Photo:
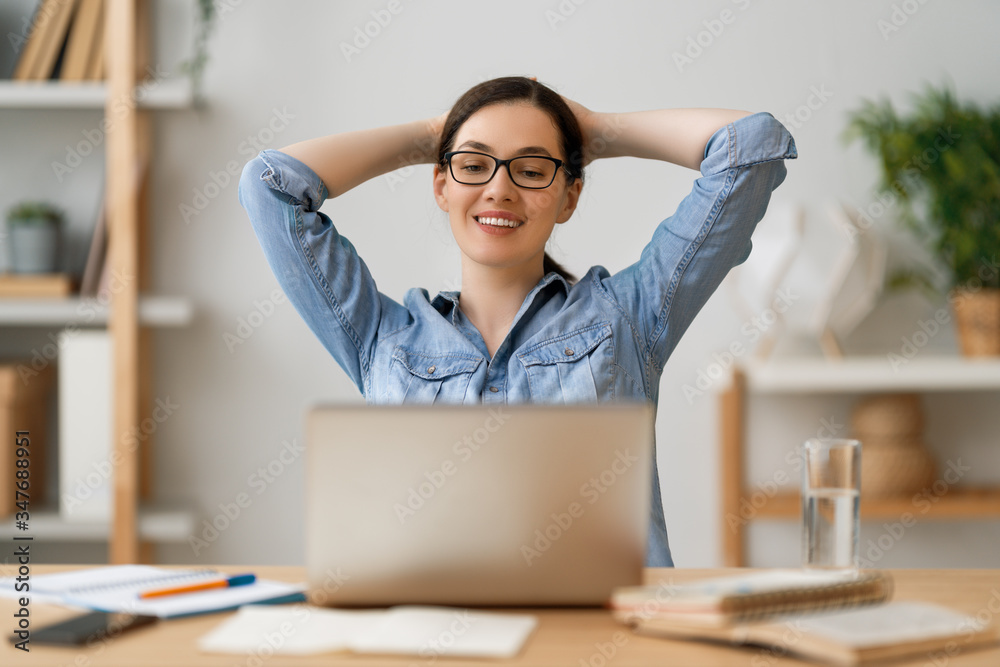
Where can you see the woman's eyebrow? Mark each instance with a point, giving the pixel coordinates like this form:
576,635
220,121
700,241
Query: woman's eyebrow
527,150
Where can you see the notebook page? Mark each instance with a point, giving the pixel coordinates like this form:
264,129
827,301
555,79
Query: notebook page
287,630
433,631
169,606
56,587
891,623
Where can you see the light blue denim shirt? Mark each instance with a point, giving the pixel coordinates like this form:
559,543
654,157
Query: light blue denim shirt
604,338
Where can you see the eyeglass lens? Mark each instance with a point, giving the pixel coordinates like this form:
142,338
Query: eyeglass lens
528,171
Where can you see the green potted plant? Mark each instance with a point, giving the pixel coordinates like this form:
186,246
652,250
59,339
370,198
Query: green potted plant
941,162
34,230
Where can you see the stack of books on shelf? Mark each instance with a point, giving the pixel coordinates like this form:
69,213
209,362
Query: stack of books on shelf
65,42
831,618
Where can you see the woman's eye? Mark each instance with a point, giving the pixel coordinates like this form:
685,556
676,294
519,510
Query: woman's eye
472,168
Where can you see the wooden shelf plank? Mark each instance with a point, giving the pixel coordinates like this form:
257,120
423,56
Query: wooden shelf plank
160,311
873,373
168,94
956,503
156,524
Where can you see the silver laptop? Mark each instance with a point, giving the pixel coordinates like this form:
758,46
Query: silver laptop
476,505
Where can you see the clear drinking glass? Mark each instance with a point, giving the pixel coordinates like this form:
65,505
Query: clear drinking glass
831,490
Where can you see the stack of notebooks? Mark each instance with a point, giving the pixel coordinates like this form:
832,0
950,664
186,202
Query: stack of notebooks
838,619
65,41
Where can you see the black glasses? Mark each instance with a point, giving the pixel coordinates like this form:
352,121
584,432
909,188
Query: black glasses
534,172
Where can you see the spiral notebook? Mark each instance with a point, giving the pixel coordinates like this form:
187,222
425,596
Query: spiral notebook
117,588
722,601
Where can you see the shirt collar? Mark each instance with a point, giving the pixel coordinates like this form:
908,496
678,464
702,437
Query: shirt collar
446,302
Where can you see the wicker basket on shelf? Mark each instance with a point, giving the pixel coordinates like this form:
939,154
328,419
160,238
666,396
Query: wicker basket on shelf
895,460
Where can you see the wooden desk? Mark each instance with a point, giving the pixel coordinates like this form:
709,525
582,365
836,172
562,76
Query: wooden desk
575,638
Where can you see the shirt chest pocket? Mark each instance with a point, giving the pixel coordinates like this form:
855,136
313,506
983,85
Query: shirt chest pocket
578,367
415,377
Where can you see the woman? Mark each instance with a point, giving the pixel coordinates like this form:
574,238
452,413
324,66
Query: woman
508,166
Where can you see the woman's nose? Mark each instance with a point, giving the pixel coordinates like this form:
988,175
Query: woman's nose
500,187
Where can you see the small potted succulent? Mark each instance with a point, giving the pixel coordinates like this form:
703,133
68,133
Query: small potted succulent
33,237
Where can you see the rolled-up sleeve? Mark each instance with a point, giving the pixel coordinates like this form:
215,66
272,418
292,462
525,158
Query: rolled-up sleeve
693,250
319,269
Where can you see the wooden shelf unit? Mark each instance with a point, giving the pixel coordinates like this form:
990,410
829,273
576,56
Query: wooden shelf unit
127,27
851,375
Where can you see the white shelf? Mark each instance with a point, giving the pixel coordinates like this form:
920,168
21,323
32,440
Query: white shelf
160,311
167,94
875,373
155,525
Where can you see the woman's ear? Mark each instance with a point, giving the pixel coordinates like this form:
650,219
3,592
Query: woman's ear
572,199
440,188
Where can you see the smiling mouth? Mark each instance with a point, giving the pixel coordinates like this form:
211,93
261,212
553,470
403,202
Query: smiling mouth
497,222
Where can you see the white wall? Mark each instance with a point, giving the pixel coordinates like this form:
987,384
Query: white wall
280,66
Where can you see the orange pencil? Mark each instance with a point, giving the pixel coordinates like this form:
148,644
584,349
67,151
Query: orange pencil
235,580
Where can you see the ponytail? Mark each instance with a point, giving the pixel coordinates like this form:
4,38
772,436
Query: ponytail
549,265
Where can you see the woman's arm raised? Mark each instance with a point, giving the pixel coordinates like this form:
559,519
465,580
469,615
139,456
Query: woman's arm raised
678,136
344,161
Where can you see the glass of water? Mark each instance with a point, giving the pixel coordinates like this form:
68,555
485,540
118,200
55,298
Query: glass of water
831,490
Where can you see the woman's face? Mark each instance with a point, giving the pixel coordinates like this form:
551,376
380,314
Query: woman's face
505,131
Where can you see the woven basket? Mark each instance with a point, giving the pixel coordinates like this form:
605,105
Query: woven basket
895,468
888,416
978,316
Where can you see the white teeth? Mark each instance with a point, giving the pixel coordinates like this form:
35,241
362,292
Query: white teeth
499,222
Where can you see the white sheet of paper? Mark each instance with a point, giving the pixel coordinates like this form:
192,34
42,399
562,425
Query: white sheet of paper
893,622
115,588
413,630
292,629
433,631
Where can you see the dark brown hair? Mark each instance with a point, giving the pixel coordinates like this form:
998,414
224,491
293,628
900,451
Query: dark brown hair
512,90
